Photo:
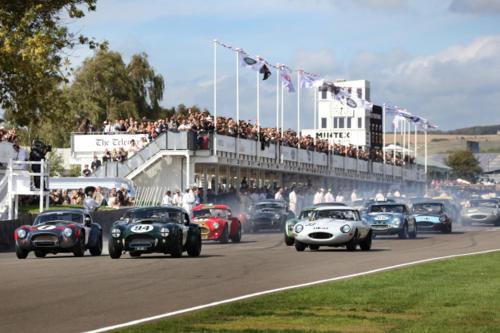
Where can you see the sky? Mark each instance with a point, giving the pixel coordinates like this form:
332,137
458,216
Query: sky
438,59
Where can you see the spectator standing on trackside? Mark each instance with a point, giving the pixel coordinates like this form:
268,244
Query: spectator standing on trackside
319,197
167,199
98,197
197,198
188,200
354,195
279,194
254,196
20,154
329,196
340,197
177,198
292,201
379,196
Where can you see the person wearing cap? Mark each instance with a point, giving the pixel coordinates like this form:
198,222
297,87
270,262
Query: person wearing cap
329,196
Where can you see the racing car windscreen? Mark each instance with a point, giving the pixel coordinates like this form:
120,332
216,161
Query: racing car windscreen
483,203
337,214
305,214
428,208
160,214
58,217
386,209
268,206
213,212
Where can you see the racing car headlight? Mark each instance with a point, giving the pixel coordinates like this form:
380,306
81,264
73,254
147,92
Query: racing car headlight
67,232
164,232
21,233
442,218
396,220
116,232
345,228
299,228
216,225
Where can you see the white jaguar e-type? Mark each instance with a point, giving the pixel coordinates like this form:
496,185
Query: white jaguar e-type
333,226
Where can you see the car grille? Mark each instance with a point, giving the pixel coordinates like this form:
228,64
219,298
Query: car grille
204,231
380,226
478,217
140,241
320,235
44,240
425,224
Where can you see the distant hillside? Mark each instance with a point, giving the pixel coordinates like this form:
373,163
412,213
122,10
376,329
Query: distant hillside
474,130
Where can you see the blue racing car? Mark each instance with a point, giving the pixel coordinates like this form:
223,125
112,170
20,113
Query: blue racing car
433,216
391,219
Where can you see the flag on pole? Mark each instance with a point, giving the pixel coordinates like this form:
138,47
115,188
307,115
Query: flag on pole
343,96
286,79
396,120
257,64
309,80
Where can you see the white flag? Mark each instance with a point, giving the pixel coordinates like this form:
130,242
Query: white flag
286,79
309,81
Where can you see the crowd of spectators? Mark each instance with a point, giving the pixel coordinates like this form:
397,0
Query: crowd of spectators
202,123
9,135
113,198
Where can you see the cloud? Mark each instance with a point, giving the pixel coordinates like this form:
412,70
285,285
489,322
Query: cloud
447,87
477,7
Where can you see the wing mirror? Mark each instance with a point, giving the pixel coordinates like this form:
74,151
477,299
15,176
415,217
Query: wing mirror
87,221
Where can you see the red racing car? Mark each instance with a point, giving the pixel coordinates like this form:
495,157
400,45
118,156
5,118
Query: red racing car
217,223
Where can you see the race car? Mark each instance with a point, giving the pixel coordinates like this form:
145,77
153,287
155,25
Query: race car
333,226
391,219
482,211
268,214
432,215
217,223
59,231
164,229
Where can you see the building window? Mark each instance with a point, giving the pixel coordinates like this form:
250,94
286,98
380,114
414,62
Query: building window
335,122
323,94
360,122
359,92
341,122
323,122
367,94
349,121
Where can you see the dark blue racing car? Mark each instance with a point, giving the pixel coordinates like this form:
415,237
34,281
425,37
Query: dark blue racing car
391,219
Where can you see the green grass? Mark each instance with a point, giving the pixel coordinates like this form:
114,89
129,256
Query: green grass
456,295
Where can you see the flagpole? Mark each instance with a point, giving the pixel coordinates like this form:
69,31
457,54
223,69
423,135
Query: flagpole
278,74
316,121
383,134
237,103
416,141
298,105
425,152
215,97
282,111
394,140
258,112
404,140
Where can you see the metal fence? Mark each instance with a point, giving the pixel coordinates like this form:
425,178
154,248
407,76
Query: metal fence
149,195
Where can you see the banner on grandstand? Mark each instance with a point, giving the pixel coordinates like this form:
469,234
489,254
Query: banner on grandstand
98,143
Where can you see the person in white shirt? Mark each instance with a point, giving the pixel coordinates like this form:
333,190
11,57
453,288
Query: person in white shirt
379,196
397,194
254,196
20,154
354,196
329,196
188,200
177,198
339,198
279,195
292,201
107,127
167,199
319,197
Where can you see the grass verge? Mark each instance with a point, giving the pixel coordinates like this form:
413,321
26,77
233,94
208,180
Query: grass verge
455,295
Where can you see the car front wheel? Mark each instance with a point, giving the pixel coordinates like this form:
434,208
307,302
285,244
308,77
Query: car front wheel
194,246
236,238
115,250
366,244
79,249
353,243
299,246
97,249
289,240
20,253
404,233
177,247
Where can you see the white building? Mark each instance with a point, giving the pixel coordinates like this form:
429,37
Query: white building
338,122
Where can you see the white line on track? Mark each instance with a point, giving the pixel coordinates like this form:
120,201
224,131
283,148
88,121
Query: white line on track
266,292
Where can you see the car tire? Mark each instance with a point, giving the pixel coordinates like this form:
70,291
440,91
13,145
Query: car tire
40,254
447,229
403,234
97,249
413,234
79,249
176,250
497,223
289,240
314,247
353,243
224,237
20,253
299,246
194,246
237,237
115,250
366,244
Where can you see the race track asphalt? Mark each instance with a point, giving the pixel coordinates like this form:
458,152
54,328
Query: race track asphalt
66,294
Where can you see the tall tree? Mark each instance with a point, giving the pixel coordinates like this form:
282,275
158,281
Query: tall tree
464,165
148,86
32,66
